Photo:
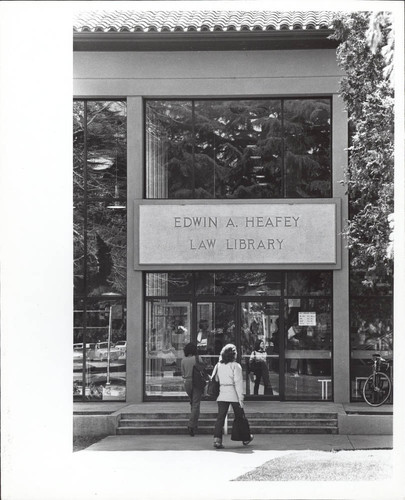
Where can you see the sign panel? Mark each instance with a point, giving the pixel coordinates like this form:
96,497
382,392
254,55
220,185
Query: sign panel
306,319
280,233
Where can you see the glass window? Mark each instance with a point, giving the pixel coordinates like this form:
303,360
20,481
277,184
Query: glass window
371,325
173,283
167,332
205,283
309,283
100,254
307,148
102,343
169,149
371,332
106,249
78,248
238,149
106,149
78,148
248,283
215,328
360,285
260,323
298,323
308,348
252,148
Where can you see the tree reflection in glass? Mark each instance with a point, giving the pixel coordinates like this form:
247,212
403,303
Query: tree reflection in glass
99,224
106,250
307,148
238,149
169,149
252,148
106,148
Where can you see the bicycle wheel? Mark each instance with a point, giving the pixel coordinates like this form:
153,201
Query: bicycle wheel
376,391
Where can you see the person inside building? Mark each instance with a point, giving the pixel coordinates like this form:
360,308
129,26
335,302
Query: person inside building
194,392
229,374
258,365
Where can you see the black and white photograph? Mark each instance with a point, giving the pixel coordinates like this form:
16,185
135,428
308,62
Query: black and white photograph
202,250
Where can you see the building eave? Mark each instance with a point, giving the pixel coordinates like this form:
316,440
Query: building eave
201,41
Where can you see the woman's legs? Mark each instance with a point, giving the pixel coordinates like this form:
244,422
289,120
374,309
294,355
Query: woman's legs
266,380
257,384
194,395
223,407
195,401
237,410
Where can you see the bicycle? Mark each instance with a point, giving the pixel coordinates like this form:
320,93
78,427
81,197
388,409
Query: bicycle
377,388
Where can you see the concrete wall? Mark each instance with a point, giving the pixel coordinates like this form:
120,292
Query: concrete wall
250,73
135,75
94,425
365,424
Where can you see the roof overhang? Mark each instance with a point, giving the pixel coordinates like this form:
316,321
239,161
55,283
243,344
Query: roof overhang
199,41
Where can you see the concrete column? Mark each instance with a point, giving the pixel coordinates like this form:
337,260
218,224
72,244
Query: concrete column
341,326
134,278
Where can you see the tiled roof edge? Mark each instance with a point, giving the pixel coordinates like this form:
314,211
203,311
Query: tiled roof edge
197,21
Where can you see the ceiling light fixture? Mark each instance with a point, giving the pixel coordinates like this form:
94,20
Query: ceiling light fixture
100,164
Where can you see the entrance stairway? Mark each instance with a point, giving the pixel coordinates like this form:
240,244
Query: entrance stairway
260,423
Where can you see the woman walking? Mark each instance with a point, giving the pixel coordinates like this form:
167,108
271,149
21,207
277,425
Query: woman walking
229,374
194,392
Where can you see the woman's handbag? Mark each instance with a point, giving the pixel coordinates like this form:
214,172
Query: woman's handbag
213,385
241,428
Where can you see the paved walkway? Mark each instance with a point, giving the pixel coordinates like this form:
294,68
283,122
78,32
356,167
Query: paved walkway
262,442
180,467
184,467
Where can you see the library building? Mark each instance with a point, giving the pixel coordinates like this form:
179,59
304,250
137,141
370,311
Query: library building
209,153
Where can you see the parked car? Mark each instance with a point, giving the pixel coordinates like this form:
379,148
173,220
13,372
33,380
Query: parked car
78,351
101,351
122,346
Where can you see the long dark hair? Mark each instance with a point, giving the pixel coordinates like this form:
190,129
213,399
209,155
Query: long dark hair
228,354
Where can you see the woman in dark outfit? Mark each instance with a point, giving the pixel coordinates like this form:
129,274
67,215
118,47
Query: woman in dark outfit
258,364
194,393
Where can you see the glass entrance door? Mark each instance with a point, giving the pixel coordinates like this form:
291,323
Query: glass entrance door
259,347
216,327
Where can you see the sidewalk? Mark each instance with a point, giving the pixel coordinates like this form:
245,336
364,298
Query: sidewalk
262,442
184,467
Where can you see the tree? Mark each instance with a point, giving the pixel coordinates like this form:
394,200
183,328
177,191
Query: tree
365,54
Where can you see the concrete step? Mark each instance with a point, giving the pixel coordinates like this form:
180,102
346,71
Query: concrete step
182,422
250,415
209,430
260,423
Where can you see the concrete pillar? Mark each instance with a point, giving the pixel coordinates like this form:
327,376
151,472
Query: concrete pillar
341,325
134,278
